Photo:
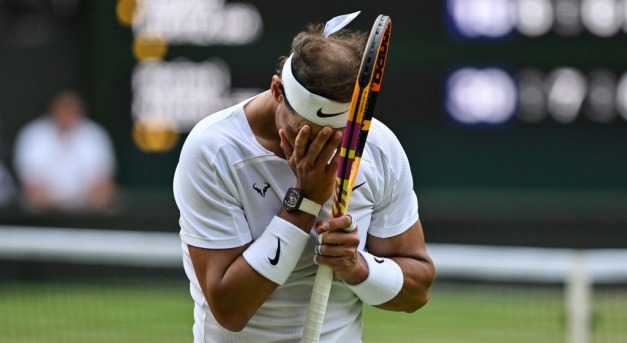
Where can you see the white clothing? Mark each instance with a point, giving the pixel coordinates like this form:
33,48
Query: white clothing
67,164
228,188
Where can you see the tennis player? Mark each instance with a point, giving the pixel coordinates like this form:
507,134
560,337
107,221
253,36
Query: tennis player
254,188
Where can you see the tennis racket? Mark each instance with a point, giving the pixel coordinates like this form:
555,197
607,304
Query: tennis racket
367,88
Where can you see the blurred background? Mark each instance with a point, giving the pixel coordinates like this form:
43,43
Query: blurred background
513,114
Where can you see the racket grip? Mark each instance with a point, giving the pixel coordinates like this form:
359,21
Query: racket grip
318,304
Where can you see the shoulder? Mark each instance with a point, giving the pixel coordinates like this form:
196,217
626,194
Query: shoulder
36,126
38,130
384,155
382,143
217,125
89,127
220,135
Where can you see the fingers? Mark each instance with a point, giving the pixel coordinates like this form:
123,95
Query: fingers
318,150
328,144
321,147
330,245
339,240
310,154
338,250
301,142
340,223
286,146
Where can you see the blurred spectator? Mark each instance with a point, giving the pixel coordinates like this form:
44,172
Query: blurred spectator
65,161
7,185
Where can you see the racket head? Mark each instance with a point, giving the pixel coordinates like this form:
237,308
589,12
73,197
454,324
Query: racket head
375,54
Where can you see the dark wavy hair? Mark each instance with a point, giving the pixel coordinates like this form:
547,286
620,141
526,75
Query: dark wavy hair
326,66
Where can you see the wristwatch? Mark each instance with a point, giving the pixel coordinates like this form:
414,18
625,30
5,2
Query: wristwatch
295,201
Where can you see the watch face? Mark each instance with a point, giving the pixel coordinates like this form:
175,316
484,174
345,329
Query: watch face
291,198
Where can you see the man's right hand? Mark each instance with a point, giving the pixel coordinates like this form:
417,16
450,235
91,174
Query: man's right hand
314,160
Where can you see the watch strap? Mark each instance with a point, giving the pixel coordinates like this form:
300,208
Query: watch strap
310,207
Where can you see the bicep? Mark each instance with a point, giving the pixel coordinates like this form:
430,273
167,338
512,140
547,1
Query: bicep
210,265
410,243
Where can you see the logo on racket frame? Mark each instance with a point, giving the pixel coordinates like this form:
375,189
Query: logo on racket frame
380,62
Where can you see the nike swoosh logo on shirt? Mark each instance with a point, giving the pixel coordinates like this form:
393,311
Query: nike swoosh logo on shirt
359,185
379,261
274,261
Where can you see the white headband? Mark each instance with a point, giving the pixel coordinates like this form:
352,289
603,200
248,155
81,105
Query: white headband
315,108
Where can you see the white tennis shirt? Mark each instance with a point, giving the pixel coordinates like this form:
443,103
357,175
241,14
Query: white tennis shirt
228,188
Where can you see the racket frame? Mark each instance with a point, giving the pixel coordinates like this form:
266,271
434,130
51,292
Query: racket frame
367,87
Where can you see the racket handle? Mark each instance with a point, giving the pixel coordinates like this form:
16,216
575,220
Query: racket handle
318,304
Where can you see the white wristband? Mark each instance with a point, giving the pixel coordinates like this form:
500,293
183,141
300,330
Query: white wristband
275,253
384,281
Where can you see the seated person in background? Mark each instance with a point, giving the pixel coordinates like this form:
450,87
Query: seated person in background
65,161
7,186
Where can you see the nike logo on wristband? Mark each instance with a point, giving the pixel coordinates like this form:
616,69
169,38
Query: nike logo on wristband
274,261
379,261
327,115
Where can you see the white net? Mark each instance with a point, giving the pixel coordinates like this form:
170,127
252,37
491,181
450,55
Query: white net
80,285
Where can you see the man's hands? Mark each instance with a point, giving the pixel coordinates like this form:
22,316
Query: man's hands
337,249
314,160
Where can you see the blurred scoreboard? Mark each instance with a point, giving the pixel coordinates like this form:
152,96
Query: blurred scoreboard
483,93
561,93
